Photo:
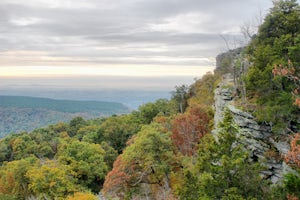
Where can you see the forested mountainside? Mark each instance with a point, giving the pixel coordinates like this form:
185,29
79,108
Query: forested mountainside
19,113
230,135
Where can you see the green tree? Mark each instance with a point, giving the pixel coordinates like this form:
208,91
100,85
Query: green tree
223,169
13,181
85,162
23,146
110,155
50,181
147,160
277,42
180,96
117,130
147,112
75,124
5,149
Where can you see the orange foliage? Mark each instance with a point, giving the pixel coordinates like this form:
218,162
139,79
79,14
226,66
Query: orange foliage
116,179
297,101
293,156
7,184
290,73
281,70
188,128
164,121
291,197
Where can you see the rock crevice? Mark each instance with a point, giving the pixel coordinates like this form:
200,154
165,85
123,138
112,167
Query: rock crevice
256,138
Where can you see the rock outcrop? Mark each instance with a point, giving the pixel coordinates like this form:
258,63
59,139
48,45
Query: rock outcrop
256,138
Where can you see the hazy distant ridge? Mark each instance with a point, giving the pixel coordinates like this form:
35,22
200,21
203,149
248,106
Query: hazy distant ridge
63,105
20,113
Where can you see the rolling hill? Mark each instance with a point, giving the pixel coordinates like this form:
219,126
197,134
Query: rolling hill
20,113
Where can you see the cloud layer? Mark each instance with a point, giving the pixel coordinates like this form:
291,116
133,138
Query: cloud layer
129,32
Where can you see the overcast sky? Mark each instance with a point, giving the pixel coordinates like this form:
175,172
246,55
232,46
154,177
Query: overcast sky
115,34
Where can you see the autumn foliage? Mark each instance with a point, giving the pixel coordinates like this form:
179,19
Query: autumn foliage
290,73
188,128
292,197
293,156
144,165
82,196
116,177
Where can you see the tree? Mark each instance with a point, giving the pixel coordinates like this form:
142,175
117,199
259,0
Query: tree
292,185
5,149
188,128
117,130
85,162
293,155
75,124
147,161
277,43
50,180
110,155
116,180
223,169
292,181
13,180
202,91
180,96
82,196
147,112
23,146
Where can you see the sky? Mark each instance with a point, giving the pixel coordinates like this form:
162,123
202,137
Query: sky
175,39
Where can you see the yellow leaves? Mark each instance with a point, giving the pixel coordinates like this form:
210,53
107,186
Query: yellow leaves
12,177
52,183
82,196
50,179
64,135
176,181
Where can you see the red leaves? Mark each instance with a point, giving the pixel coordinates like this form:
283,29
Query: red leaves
290,73
283,71
117,177
188,128
293,156
291,197
296,101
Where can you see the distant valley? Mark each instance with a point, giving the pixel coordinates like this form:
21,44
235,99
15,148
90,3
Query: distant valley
132,98
20,113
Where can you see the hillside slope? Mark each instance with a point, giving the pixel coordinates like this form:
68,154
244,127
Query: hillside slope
18,113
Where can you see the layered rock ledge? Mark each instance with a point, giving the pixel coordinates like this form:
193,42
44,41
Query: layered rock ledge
258,139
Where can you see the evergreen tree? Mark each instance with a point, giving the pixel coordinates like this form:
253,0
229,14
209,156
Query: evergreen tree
223,169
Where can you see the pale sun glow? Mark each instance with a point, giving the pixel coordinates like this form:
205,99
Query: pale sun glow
122,70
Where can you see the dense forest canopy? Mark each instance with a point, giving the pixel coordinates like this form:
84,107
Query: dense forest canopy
20,113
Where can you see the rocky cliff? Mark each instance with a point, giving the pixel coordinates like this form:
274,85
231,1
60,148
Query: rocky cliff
262,144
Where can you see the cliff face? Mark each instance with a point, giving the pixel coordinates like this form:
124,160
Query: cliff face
256,138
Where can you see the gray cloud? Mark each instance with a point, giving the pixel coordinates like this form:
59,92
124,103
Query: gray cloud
169,32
